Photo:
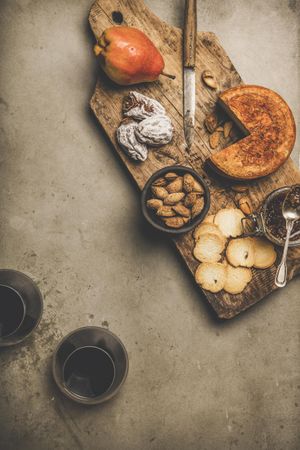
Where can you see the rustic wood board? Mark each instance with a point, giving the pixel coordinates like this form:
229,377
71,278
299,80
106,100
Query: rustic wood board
106,104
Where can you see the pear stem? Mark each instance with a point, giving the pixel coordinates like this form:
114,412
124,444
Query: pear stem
97,50
168,75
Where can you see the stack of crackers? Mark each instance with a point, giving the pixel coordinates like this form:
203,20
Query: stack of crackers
225,258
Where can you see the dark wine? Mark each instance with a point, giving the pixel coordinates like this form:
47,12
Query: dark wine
89,371
12,310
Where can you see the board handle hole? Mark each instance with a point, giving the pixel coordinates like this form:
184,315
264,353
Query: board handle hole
117,17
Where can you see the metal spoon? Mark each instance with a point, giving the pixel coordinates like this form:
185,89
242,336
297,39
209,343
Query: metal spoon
291,213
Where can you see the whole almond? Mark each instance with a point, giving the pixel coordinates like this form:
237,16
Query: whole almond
188,182
197,207
239,188
165,211
214,139
170,176
175,186
227,128
174,198
209,79
175,222
159,182
154,203
159,192
245,205
198,187
211,122
182,210
219,129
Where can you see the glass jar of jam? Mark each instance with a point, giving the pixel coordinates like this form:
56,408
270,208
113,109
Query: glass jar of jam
269,221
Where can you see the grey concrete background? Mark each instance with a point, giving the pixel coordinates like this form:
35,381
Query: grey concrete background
70,219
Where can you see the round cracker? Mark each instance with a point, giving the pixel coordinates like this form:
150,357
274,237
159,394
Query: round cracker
229,220
211,276
209,247
264,253
237,279
240,252
205,228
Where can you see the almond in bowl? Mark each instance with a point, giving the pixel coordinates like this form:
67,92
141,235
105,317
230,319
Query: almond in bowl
175,199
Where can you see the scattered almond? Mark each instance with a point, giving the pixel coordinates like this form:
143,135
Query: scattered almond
211,122
214,139
239,188
245,205
227,128
219,129
209,79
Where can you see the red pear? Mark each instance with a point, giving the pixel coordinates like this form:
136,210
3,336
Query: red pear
128,56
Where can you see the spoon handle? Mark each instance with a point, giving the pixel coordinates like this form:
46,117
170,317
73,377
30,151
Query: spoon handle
281,274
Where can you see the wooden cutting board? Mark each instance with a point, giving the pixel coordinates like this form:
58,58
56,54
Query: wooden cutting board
106,104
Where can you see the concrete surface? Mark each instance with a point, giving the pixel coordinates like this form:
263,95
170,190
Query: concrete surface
70,219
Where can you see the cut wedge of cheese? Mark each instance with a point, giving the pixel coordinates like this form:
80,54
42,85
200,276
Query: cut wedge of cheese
270,127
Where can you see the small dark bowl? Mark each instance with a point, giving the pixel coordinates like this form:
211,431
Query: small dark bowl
32,300
87,337
155,221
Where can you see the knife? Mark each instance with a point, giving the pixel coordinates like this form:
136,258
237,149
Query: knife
189,82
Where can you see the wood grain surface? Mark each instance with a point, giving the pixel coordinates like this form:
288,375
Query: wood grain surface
106,104
189,33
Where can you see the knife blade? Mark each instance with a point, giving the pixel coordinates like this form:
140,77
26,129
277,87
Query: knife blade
189,79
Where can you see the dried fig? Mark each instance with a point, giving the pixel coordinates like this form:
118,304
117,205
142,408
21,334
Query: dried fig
172,199
159,192
139,107
155,131
175,186
128,141
154,203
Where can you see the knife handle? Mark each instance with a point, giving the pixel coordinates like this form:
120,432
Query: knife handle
189,33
